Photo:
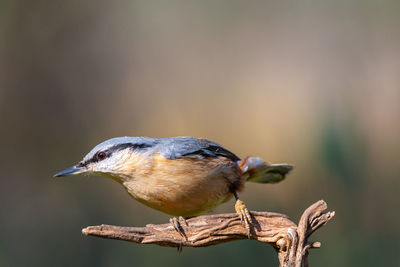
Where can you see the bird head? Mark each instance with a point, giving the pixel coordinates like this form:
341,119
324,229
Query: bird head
116,158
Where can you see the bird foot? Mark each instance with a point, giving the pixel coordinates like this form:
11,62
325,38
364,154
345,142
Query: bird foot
176,223
244,215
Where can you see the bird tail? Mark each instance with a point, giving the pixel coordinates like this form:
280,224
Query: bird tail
259,171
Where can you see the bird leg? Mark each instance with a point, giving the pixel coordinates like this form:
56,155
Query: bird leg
243,213
177,225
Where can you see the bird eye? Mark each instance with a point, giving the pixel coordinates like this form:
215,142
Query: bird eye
101,155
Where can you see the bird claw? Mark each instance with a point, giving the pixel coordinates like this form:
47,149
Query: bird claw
177,225
244,215
183,219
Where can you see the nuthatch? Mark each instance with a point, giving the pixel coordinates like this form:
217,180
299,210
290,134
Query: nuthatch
181,176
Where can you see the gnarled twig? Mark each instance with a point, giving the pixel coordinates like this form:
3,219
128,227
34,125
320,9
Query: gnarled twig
289,240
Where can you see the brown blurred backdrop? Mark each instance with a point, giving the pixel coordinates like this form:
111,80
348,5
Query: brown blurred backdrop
312,83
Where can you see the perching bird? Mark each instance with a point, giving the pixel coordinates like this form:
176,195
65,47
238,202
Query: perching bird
181,176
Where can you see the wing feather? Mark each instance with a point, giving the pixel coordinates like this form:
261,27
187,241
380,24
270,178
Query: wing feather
189,147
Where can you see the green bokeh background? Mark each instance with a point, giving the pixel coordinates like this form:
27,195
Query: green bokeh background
312,83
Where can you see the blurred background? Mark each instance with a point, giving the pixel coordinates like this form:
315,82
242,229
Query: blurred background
311,83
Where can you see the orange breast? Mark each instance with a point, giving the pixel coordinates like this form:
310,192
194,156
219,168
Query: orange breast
184,187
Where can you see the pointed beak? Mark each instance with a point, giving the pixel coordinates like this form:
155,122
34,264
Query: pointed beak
70,171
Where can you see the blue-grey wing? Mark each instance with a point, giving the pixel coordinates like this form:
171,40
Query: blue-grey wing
189,147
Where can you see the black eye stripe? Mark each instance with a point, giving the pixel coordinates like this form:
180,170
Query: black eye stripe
111,150
97,157
128,145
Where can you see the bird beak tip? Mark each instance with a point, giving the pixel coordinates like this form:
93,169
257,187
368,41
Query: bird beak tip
70,171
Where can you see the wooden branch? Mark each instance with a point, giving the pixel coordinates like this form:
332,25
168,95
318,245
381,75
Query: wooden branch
289,240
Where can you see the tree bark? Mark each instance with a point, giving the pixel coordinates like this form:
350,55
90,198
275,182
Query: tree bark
289,240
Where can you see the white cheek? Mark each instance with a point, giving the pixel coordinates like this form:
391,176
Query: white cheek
103,166
114,163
